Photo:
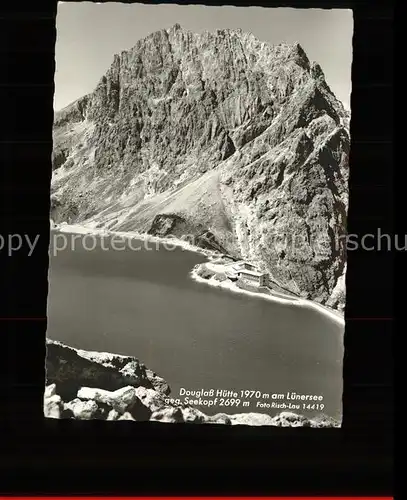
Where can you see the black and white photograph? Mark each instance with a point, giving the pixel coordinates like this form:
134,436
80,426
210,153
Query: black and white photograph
199,201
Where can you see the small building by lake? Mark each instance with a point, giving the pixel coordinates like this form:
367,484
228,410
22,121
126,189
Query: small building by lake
247,273
254,277
243,265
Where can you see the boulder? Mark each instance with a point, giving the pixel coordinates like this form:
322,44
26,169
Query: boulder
53,406
70,369
50,390
113,415
168,415
123,400
158,383
150,398
220,418
194,416
289,419
253,419
83,410
126,416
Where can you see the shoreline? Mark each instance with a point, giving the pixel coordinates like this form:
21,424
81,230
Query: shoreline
304,303
132,235
228,285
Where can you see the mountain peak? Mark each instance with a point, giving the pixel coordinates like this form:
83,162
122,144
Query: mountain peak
203,111
175,27
300,55
297,46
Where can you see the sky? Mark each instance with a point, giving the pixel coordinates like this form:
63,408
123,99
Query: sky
90,34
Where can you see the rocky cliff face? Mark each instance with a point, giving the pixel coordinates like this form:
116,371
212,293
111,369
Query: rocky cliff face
214,134
85,385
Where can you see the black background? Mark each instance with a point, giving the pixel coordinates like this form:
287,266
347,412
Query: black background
55,457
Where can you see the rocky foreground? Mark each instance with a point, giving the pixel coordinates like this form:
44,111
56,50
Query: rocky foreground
219,136
86,385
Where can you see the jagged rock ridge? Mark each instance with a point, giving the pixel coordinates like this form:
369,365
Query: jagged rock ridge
219,134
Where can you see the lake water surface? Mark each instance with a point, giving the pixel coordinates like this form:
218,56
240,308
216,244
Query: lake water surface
144,304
